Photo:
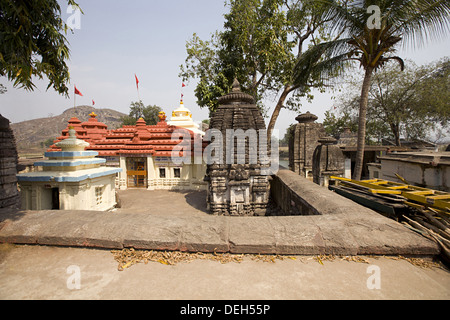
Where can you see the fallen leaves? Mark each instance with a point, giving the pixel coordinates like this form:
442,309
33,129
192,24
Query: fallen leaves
418,262
129,257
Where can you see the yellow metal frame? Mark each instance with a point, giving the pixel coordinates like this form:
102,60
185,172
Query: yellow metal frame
438,200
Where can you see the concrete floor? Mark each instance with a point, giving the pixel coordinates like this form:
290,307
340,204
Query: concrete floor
34,272
160,202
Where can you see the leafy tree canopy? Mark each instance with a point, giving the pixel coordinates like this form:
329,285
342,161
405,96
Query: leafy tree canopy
259,46
413,104
138,110
32,43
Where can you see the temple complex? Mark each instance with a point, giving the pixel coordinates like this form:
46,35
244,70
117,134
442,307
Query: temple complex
142,151
72,179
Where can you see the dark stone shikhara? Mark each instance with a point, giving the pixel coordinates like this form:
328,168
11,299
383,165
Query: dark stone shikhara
302,143
313,154
238,188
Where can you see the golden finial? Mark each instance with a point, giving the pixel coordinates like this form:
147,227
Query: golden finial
162,116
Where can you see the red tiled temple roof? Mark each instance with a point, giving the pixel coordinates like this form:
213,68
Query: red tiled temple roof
138,139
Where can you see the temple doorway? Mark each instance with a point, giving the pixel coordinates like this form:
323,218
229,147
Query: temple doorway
55,198
137,172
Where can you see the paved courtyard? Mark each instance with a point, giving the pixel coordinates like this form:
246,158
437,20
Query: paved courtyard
162,202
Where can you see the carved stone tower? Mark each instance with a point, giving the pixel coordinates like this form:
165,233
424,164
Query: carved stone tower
302,143
237,181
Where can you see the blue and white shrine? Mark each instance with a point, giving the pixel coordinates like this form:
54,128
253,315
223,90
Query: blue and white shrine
71,179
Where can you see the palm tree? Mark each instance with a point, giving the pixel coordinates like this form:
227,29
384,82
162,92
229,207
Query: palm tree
357,39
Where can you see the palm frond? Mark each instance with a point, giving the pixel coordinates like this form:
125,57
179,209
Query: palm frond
316,59
342,17
398,59
422,20
329,70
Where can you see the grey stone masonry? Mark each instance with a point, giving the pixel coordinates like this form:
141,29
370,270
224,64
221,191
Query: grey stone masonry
328,160
303,141
9,195
238,187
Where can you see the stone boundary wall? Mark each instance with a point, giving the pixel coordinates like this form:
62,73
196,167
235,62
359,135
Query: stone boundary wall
296,195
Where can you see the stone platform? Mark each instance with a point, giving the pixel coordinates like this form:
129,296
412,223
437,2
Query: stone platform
345,233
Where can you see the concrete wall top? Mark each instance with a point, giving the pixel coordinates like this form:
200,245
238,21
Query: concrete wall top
319,199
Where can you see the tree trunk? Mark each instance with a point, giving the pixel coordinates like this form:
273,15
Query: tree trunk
276,112
362,124
395,128
397,135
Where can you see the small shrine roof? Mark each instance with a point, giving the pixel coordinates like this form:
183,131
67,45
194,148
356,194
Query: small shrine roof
138,139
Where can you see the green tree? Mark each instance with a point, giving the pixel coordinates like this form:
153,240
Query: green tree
138,110
259,46
287,136
335,123
412,104
47,143
370,44
32,43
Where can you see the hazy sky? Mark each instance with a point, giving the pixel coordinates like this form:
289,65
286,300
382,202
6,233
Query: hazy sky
117,39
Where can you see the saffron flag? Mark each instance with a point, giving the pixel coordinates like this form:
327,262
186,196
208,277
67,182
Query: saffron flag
183,85
93,102
78,91
137,81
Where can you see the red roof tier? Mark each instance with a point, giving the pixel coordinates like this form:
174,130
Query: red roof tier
138,139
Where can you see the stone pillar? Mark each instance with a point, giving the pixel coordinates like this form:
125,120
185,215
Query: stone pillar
151,175
9,194
303,142
348,168
123,174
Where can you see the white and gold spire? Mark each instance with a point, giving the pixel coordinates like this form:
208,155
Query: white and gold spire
182,117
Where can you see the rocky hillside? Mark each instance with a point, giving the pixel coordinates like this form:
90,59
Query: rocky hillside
30,134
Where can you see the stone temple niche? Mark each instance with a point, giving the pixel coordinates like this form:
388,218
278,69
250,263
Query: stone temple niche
240,186
303,141
328,160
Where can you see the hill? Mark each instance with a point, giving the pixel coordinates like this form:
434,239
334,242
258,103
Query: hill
30,134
